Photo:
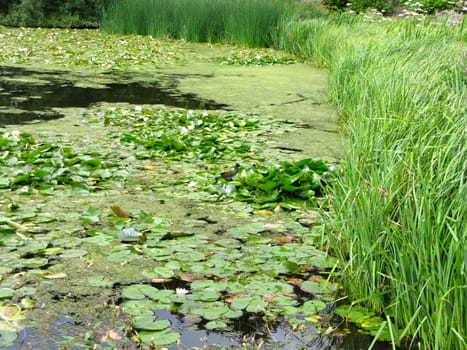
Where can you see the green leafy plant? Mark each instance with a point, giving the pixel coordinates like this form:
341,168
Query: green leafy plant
26,164
257,58
290,185
184,134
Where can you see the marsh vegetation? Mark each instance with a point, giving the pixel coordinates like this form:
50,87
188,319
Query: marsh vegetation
393,223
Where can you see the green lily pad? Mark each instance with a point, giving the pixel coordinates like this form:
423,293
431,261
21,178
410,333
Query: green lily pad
149,323
215,325
158,338
209,284
249,303
89,216
214,312
139,291
318,287
312,307
7,337
233,314
163,272
243,231
122,256
190,256
73,253
6,293
205,295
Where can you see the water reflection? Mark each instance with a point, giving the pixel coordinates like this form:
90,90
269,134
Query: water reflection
27,94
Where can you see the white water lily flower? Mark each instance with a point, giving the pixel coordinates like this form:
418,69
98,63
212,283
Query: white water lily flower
181,291
192,184
138,108
13,135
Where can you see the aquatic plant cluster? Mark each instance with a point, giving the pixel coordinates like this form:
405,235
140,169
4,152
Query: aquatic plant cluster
188,135
28,166
83,48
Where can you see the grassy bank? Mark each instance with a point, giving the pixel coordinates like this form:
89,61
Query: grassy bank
400,213
247,22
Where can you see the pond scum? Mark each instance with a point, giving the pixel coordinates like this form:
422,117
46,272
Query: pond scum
398,221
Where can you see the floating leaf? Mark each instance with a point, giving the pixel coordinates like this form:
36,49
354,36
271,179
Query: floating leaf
139,291
318,287
7,337
149,322
250,303
215,325
89,216
6,293
10,313
158,338
312,307
162,272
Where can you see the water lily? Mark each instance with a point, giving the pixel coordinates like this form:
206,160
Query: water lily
181,291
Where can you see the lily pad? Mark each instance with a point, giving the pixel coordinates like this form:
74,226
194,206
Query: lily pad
73,253
6,293
318,287
215,325
312,307
148,322
7,337
139,291
158,338
249,303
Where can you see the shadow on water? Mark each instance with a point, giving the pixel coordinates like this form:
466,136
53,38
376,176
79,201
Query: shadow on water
246,332
27,94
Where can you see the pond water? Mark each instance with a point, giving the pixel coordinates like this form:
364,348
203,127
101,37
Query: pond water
27,94
78,298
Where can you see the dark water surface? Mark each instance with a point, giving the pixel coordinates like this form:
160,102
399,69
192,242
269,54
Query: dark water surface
27,94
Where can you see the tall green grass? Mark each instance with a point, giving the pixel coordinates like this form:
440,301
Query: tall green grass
400,214
253,23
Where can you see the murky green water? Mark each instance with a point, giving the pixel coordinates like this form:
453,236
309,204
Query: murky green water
75,293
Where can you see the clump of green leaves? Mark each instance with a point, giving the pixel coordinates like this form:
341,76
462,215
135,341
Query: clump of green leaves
184,134
257,58
26,164
290,185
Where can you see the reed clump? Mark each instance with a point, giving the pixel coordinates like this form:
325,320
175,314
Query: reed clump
252,23
399,223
